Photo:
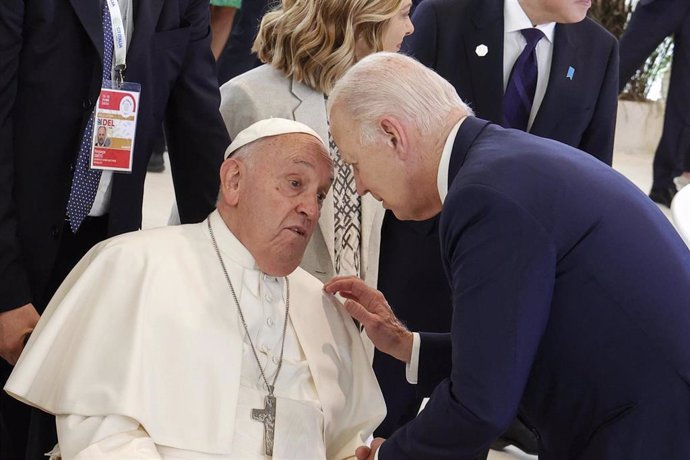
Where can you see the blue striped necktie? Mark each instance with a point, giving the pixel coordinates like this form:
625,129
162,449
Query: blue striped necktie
519,95
85,180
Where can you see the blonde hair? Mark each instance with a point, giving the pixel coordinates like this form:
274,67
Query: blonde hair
314,40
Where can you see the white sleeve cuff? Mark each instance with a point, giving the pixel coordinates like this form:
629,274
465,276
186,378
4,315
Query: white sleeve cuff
412,368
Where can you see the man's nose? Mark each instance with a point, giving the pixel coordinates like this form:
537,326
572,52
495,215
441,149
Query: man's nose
310,206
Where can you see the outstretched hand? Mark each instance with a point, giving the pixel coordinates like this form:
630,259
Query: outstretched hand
370,308
369,453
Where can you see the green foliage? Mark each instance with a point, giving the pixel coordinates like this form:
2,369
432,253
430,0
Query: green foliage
614,15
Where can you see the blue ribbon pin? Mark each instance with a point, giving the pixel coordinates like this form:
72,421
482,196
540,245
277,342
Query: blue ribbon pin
571,73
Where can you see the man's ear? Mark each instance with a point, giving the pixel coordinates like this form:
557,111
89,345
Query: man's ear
232,172
395,135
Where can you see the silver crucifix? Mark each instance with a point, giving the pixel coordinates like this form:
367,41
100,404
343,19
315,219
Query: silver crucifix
267,416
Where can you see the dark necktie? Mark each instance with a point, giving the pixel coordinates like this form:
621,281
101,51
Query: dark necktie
85,180
517,100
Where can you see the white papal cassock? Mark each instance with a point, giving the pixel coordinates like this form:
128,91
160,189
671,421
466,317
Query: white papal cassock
141,354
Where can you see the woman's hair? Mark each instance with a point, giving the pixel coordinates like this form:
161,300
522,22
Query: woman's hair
314,40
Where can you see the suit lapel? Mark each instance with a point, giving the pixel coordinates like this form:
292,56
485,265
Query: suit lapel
145,15
559,88
91,18
487,71
311,110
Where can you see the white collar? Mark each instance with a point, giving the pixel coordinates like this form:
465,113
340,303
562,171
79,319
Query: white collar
234,251
444,163
515,19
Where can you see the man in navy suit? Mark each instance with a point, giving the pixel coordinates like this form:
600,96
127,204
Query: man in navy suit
651,22
474,44
52,70
570,288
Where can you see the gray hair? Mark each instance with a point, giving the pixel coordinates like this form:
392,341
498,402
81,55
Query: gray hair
396,85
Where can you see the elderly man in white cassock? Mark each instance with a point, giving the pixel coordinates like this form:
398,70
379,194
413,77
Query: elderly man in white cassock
207,341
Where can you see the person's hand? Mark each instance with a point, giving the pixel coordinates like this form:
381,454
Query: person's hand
15,327
369,453
369,307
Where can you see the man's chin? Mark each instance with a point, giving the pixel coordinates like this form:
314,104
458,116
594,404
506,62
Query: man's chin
417,216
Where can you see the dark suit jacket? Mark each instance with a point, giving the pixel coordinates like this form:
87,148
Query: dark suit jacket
580,112
570,305
50,80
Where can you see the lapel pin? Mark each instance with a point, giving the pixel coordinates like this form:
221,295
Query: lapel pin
481,50
571,73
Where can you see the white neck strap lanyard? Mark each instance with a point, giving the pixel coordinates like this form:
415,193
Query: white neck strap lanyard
119,41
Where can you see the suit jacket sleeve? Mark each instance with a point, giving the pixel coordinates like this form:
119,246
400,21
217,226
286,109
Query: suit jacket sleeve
423,44
435,361
502,265
14,285
597,139
195,134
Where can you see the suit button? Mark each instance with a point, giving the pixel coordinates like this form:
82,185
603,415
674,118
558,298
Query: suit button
86,103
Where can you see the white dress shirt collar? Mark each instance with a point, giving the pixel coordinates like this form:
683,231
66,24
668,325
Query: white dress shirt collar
444,164
515,19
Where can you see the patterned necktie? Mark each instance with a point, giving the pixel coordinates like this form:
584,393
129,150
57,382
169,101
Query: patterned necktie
517,100
347,209
85,180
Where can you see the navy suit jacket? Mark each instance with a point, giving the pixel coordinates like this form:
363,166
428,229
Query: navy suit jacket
580,112
570,307
51,58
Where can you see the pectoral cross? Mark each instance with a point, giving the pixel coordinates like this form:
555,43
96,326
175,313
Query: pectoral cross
267,416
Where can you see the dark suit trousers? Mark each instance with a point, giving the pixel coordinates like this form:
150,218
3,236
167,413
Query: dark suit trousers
649,25
26,432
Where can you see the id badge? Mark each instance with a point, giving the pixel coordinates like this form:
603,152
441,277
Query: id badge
115,126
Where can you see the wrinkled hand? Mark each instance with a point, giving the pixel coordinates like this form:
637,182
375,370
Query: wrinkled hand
15,326
369,307
369,453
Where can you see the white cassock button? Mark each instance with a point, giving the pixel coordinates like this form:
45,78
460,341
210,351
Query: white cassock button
268,298
275,360
269,321
263,348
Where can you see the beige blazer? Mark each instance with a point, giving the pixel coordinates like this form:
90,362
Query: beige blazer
265,92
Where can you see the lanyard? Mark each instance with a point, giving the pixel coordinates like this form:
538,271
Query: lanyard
119,40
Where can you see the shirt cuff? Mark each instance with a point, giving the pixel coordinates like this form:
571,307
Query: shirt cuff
412,368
